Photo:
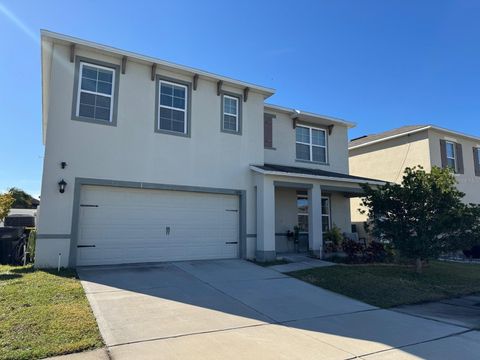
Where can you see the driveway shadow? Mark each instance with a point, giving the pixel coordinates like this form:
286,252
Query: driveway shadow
173,305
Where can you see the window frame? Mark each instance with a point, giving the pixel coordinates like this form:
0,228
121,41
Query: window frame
79,62
329,215
477,149
270,117
239,99
304,195
311,145
187,111
454,158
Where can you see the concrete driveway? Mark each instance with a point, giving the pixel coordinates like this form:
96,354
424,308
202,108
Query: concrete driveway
233,309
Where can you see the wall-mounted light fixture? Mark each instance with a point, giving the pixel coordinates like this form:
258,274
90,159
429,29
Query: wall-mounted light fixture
62,184
63,164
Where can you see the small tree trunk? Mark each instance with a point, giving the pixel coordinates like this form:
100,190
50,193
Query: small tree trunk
418,266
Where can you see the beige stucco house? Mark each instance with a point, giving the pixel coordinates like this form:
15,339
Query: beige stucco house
386,155
149,161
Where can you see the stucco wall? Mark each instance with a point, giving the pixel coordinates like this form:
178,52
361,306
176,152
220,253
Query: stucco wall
387,160
283,136
467,182
132,151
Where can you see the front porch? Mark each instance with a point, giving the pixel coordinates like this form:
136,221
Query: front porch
294,209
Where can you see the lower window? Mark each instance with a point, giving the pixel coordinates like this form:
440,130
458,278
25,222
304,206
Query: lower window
302,211
325,213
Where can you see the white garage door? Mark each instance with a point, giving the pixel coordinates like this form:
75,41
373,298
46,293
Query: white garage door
119,225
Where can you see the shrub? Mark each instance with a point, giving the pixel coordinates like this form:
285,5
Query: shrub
31,245
376,252
424,216
6,202
353,249
333,239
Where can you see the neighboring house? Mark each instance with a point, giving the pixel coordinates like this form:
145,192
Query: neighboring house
150,161
386,155
22,212
25,211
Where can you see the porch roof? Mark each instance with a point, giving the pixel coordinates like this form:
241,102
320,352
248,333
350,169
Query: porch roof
282,170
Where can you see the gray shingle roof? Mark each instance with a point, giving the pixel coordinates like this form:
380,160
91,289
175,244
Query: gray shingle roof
398,131
315,172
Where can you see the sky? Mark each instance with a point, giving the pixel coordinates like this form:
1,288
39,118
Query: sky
381,64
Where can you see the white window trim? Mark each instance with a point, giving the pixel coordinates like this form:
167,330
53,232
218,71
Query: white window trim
311,145
302,196
80,90
229,114
160,82
454,158
329,212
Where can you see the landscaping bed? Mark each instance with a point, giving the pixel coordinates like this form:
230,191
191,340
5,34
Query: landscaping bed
44,313
270,263
387,285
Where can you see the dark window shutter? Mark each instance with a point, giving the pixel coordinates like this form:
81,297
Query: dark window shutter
443,153
476,161
267,131
459,156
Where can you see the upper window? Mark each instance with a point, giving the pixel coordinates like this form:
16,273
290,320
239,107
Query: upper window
172,107
95,95
268,131
311,144
231,113
451,155
478,156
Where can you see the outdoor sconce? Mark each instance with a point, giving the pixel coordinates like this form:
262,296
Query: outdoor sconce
63,164
61,186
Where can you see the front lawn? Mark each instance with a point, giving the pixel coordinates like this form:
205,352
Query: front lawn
44,313
391,285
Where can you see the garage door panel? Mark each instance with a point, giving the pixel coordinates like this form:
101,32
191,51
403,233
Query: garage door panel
130,225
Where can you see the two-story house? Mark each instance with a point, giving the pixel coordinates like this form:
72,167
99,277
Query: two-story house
386,155
149,161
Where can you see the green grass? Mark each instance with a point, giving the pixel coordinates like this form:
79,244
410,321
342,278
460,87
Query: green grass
44,313
391,285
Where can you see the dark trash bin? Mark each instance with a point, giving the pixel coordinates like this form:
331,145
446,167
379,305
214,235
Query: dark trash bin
12,241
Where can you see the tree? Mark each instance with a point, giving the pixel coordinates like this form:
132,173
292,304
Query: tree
423,216
6,202
22,199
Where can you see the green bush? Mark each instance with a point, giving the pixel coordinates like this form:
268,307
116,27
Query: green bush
333,238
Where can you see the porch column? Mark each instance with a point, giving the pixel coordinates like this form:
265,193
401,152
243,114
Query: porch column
265,220
315,235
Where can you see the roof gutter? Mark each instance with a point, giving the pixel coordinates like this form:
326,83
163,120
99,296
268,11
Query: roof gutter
433,127
390,137
131,55
294,113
